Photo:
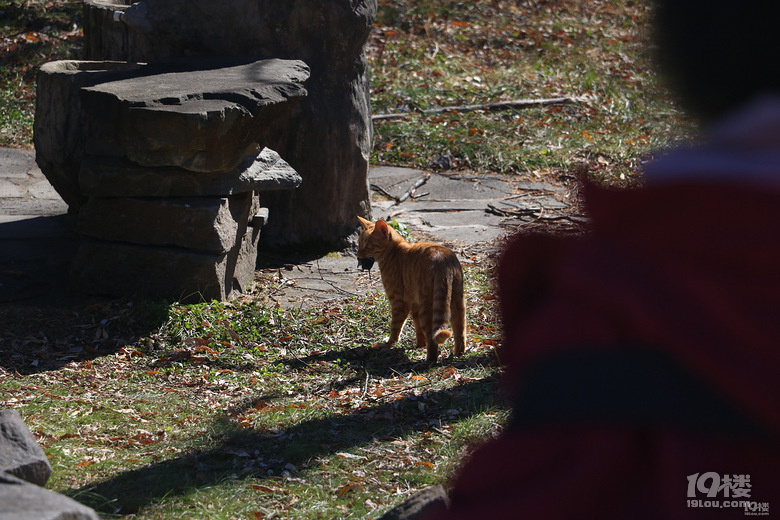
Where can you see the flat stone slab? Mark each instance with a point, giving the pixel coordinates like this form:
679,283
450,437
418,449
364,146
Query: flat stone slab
17,164
9,190
208,224
116,269
253,84
22,501
203,119
440,187
453,208
114,177
23,188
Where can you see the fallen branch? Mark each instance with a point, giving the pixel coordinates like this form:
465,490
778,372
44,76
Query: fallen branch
381,190
524,212
410,193
537,213
498,105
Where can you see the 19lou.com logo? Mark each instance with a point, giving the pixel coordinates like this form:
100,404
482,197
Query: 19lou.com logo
735,489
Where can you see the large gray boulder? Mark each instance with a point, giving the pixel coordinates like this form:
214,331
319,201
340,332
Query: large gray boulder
327,139
161,168
114,177
22,501
205,119
426,503
24,468
20,454
199,115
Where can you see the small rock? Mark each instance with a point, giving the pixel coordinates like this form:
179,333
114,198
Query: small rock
20,454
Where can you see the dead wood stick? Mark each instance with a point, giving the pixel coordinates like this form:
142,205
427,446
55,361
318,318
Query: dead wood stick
537,213
504,105
498,105
380,117
524,212
410,192
381,190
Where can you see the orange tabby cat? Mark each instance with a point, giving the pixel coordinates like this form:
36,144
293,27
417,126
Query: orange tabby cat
423,279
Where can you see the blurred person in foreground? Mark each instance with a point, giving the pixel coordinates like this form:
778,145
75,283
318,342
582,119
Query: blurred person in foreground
643,359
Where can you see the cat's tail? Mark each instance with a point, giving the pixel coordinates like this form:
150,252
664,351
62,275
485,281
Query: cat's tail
442,293
441,336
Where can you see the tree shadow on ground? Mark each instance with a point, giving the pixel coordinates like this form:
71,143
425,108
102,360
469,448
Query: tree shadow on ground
241,453
368,362
37,339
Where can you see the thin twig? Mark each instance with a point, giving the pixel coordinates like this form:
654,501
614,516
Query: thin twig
537,213
276,289
442,432
498,105
381,117
534,212
410,191
382,191
365,387
319,271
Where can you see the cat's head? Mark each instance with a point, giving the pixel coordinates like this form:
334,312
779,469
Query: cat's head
374,241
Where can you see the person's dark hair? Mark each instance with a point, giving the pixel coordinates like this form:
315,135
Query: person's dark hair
717,54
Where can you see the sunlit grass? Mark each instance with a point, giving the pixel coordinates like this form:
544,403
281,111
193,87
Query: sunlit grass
236,409
433,53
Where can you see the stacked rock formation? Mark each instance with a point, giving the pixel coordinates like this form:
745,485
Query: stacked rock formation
161,168
327,139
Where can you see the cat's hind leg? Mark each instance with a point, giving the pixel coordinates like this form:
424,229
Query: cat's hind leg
425,337
419,330
458,319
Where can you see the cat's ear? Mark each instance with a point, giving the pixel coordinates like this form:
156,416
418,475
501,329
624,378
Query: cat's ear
381,228
365,223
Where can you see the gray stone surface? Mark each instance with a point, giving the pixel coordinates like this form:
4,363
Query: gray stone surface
17,164
442,186
120,269
207,224
112,177
24,469
9,189
327,139
426,503
20,454
35,251
25,191
59,127
208,120
22,501
204,120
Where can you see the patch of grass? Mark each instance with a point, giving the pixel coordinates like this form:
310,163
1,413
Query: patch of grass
245,410
431,53
31,34
238,410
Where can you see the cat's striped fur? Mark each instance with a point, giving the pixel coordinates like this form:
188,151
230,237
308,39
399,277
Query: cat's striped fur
421,279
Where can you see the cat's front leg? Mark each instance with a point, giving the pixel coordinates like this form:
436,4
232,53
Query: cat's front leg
399,313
